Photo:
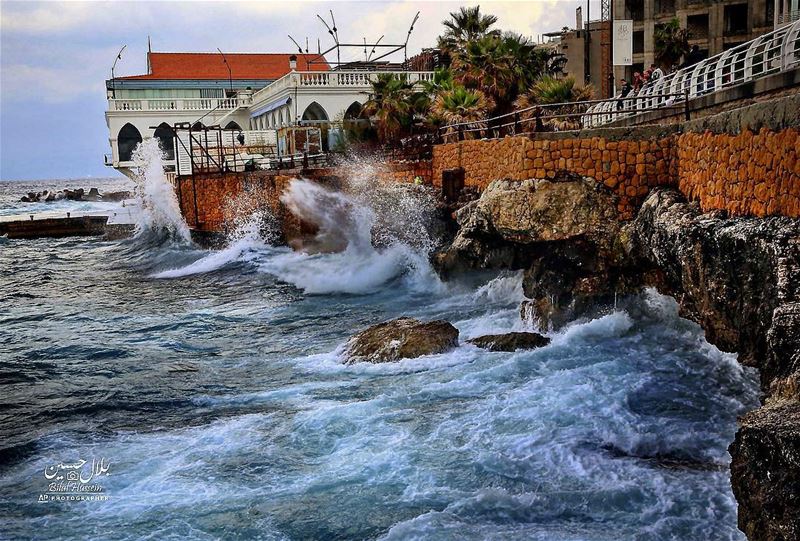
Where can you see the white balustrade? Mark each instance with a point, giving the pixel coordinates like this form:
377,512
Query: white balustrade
771,53
178,104
333,79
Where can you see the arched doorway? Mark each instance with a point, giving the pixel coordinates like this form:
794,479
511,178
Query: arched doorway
233,126
353,112
166,140
127,140
315,112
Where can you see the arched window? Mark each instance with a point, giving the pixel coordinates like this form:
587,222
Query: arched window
127,140
233,126
353,112
166,140
280,117
197,126
315,112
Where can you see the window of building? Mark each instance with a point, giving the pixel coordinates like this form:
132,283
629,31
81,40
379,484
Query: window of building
634,9
697,26
211,93
769,13
665,7
127,140
736,19
638,42
166,139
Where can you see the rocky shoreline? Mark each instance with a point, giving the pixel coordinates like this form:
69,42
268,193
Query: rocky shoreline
739,278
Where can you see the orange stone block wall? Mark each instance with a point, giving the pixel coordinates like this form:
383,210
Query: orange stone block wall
628,167
747,174
750,174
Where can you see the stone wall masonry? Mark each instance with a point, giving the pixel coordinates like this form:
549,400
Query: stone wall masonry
628,162
743,161
221,200
750,174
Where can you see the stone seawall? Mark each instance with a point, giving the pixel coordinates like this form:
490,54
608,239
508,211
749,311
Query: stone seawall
629,162
743,161
214,203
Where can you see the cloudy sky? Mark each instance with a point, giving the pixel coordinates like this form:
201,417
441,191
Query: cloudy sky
55,56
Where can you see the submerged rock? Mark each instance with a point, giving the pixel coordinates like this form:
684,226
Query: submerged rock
402,338
511,341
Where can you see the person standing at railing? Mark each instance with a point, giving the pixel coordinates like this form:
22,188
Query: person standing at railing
638,81
625,89
656,73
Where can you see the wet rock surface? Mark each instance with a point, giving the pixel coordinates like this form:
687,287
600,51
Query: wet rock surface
565,233
765,472
511,341
739,278
402,338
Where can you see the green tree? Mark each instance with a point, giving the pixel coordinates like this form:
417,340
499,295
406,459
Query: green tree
465,25
501,66
671,43
550,90
391,105
460,104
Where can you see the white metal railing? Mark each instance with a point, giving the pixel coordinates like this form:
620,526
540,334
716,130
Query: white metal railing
178,104
791,16
332,79
771,53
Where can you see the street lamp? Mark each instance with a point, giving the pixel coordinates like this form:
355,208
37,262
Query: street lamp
114,65
230,76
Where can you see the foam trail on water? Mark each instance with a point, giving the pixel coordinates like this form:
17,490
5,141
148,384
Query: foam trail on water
343,257
160,208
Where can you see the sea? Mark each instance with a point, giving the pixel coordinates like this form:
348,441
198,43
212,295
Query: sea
203,394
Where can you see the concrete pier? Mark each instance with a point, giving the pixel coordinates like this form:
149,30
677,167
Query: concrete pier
80,226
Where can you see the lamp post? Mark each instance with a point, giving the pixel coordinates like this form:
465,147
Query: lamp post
114,65
230,76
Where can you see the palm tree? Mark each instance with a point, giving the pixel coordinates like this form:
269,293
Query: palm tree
465,25
460,104
442,80
550,90
671,43
500,66
391,105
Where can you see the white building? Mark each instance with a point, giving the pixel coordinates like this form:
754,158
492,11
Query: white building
195,88
261,92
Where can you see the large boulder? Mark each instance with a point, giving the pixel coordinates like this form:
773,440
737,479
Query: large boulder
402,338
511,341
564,232
505,226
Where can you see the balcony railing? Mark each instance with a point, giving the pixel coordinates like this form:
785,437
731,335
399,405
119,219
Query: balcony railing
178,104
333,79
771,53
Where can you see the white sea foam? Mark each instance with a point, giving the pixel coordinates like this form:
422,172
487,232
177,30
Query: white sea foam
248,237
343,257
160,210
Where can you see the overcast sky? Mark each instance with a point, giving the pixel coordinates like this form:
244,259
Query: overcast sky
55,56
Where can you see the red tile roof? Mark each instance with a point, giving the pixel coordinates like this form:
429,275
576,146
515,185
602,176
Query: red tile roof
206,66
